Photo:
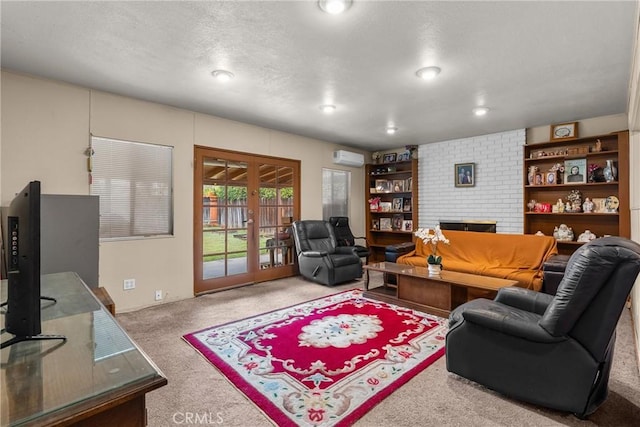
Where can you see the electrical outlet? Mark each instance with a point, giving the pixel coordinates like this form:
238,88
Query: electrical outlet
129,284
158,295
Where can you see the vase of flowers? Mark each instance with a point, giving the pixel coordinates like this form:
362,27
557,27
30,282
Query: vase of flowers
431,238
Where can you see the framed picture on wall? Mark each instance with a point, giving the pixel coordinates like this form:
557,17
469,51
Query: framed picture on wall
465,175
564,131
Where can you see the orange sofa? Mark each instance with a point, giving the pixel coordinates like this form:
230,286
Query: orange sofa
508,256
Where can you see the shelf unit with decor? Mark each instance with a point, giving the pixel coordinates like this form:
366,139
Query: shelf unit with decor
396,186
550,186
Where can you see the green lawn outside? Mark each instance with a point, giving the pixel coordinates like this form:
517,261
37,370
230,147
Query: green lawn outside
213,243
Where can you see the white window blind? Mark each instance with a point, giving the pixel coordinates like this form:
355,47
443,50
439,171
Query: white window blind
134,183
335,193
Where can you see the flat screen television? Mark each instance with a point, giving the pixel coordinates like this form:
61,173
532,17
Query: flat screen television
23,263
22,318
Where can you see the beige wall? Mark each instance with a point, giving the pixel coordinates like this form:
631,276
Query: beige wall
586,127
46,127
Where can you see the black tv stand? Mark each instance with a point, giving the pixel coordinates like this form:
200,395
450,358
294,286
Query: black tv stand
39,337
20,338
2,304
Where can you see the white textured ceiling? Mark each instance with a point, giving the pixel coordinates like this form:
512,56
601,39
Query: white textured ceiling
532,63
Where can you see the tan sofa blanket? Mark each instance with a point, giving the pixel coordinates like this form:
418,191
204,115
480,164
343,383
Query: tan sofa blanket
508,256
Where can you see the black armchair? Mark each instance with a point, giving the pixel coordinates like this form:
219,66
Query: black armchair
320,259
345,237
553,351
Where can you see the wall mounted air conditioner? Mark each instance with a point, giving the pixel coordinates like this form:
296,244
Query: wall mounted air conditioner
347,158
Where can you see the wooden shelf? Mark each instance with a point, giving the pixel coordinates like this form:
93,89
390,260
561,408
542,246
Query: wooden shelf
378,239
615,146
574,213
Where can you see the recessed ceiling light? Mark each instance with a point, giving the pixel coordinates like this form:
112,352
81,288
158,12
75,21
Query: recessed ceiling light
480,111
334,7
328,108
391,130
428,73
222,75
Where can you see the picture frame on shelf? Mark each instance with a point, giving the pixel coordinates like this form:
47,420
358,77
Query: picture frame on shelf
552,178
397,204
396,223
389,158
398,186
406,204
408,185
564,131
465,174
404,157
599,204
407,225
385,207
385,224
538,179
575,171
383,186
375,224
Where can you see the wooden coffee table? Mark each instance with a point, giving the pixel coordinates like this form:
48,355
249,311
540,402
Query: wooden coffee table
417,290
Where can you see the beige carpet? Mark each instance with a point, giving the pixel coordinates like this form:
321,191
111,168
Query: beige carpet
433,398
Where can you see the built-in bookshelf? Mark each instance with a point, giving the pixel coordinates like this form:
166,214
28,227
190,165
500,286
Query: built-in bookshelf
392,205
550,183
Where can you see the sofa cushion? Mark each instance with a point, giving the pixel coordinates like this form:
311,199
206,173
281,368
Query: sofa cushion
509,256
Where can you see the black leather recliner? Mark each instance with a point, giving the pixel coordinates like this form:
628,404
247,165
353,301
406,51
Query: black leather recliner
345,237
320,259
553,351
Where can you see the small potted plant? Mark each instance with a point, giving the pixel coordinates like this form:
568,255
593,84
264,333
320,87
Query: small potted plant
432,238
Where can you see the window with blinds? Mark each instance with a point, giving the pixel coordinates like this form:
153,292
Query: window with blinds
135,186
335,193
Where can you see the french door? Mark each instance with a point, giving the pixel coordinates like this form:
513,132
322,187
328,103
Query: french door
243,208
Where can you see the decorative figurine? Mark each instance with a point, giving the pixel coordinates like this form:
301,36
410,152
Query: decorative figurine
587,236
587,206
563,233
598,146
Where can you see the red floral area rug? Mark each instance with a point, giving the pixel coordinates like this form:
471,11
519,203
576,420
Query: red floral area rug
325,362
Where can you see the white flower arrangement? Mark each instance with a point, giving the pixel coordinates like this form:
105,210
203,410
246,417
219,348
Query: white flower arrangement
432,238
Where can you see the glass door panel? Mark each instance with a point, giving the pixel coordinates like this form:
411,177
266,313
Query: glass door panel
276,214
243,209
224,218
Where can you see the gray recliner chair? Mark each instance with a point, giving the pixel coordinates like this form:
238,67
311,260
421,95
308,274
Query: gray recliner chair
550,350
320,259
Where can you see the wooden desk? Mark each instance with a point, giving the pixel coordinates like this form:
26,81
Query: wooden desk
417,290
97,377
